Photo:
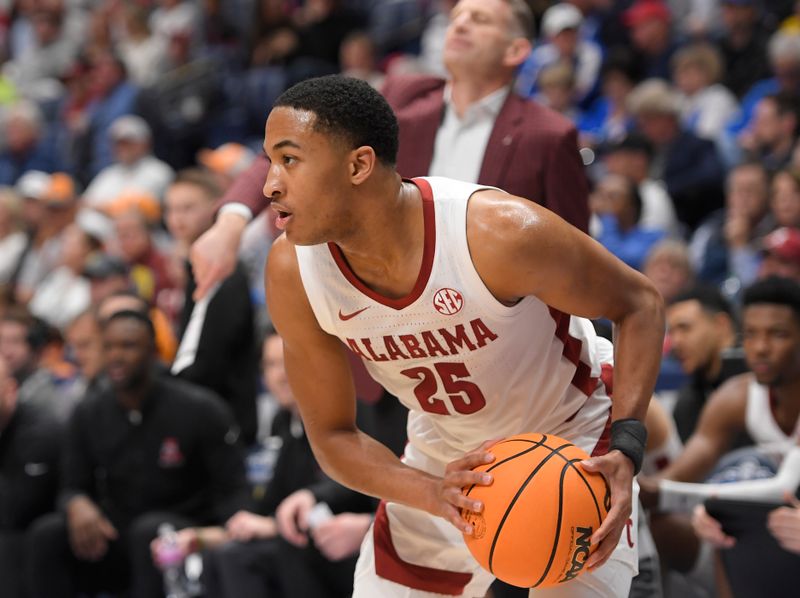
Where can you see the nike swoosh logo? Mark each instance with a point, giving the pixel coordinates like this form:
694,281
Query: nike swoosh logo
345,317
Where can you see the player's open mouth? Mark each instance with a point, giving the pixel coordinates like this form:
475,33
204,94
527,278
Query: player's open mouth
282,218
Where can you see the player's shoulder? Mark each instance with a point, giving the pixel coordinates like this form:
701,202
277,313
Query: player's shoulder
731,395
282,265
504,212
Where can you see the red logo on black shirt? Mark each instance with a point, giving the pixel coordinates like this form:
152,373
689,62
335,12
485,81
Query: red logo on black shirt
448,301
170,454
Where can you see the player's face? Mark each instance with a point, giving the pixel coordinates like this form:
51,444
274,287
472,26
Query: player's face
694,335
308,179
771,341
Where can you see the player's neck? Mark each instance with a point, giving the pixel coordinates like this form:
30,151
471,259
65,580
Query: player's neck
387,254
787,392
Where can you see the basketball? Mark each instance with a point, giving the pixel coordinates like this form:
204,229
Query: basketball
539,513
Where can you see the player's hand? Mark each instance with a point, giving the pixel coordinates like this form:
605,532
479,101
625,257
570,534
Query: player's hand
89,530
784,524
618,471
449,499
341,536
709,529
292,517
245,526
214,254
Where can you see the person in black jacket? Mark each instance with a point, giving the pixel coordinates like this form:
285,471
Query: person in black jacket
147,450
218,347
29,446
248,558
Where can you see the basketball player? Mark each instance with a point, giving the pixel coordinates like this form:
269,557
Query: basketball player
458,298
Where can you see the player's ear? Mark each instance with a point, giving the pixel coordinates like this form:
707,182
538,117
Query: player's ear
362,162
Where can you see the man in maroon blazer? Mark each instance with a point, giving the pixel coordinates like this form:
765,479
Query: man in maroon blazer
472,127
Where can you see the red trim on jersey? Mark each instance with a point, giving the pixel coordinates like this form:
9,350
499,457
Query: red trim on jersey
389,565
429,218
607,377
582,379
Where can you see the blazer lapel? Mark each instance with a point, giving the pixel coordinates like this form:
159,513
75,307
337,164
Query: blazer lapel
502,141
418,135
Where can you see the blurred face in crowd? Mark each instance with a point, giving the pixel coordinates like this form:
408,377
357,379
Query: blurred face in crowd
133,235
566,42
628,163
275,372
769,127
613,196
698,336
650,36
668,273
190,211
787,72
14,347
617,86
775,265
100,288
75,248
482,38
129,151
785,201
737,18
21,135
85,340
771,342
748,191
690,78
660,128
129,351
8,394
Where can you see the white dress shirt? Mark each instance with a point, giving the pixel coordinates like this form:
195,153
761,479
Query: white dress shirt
461,142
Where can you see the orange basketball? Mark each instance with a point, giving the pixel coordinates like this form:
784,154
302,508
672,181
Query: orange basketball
538,514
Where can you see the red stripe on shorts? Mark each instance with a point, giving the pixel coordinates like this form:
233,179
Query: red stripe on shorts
389,565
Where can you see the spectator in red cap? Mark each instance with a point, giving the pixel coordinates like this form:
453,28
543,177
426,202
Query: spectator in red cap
781,254
650,27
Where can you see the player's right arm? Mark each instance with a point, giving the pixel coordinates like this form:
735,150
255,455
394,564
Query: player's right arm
722,418
319,374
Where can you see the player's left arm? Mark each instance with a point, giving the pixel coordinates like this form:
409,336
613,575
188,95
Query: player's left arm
521,249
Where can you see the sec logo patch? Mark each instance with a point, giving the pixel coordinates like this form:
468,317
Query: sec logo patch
448,302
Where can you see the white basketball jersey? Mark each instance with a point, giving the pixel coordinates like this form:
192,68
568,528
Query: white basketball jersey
760,421
468,367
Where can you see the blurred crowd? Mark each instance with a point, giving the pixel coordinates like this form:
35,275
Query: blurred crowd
128,401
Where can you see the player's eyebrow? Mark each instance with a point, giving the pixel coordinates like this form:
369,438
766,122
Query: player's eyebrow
285,143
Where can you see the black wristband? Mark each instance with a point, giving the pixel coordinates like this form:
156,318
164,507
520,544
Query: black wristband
629,436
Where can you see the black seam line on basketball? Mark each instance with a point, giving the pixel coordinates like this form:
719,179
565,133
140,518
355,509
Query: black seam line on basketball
557,537
536,444
589,487
514,500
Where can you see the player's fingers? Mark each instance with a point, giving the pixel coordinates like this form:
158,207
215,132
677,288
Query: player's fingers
465,479
454,517
470,461
460,501
614,522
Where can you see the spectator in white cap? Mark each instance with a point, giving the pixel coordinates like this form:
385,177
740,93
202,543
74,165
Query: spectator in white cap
50,203
64,293
12,238
562,43
134,168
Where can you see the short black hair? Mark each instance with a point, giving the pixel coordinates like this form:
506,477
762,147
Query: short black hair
709,297
775,291
349,108
129,314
